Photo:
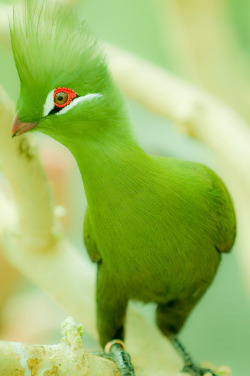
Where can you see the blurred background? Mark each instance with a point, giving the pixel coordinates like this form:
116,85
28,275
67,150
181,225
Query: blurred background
207,44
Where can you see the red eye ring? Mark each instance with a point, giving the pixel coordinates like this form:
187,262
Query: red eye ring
70,93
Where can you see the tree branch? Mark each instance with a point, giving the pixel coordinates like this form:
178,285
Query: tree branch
22,167
65,359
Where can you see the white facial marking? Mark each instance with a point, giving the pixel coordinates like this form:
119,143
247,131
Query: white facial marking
72,104
49,104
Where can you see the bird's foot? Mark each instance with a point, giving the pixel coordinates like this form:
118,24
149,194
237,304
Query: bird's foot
189,366
114,350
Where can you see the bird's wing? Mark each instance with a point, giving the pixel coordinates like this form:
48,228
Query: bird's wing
89,239
224,214
210,195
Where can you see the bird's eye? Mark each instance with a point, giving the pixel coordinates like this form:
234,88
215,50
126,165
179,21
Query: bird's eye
61,98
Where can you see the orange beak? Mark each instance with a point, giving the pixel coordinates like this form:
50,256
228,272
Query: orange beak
18,127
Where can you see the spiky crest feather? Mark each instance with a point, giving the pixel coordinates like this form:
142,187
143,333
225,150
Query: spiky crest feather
53,48
42,33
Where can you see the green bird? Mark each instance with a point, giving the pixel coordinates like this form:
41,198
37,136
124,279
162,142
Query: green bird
155,226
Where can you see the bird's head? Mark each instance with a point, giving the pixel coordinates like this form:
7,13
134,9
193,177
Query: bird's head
65,88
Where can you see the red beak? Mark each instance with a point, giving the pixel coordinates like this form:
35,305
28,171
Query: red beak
18,127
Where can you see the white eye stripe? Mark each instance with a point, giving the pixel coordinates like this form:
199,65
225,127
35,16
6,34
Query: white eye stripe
49,103
72,104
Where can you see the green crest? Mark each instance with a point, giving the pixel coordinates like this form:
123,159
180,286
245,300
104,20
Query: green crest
50,44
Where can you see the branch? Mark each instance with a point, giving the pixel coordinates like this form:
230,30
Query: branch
22,167
67,358
9,276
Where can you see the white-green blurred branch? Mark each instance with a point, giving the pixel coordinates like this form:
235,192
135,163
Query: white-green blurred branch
65,359
22,167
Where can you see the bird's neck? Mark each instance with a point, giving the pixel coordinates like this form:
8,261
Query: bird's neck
110,166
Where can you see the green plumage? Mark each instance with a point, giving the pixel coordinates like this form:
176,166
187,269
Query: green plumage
156,226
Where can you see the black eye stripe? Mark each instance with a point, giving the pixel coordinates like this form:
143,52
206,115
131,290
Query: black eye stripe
54,110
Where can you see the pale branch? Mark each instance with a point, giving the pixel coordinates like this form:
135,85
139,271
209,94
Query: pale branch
205,48
9,277
22,167
55,265
65,359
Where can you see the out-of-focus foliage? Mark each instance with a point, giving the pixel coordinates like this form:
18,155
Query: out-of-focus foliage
240,16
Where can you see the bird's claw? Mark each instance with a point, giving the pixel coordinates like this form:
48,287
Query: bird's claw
190,367
123,362
121,358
